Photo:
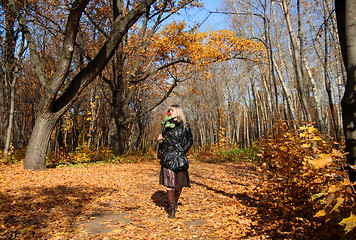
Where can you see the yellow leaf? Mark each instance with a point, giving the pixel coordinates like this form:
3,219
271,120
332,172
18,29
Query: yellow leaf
316,139
337,153
322,161
349,223
338,203
333,188
306,145
329,200
321,213
346,181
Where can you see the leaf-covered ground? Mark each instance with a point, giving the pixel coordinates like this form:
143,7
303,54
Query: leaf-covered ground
124,201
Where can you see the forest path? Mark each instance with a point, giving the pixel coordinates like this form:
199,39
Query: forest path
217,206
125,201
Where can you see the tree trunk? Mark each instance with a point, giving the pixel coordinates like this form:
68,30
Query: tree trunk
10,127
257,131
40,140
346,21
9,76
119,108
288,96
94,109
290,106
296,60
327,78
319,119
117,138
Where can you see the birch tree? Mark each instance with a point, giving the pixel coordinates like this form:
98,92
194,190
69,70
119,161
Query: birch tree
10,71
294,46
297,62
9,75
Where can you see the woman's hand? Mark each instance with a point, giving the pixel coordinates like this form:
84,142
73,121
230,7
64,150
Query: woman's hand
160,138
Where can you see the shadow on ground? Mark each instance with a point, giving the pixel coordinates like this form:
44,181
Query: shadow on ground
282,213
34,214
160,199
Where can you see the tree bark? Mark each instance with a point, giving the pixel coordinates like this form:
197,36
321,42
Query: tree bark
346,21
39,142
119,106
319,119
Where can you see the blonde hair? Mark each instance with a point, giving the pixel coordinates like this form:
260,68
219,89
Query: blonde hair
180,114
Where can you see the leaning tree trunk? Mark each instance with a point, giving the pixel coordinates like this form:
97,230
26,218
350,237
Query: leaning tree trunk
346,21
40,140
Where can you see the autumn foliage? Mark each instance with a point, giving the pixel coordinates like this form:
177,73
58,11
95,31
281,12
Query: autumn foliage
306,173
175,42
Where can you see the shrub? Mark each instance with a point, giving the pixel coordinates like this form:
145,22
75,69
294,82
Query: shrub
14,156
83,155
307,165
138,156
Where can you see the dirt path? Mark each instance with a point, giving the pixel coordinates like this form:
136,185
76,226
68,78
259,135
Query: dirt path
215,207
124,201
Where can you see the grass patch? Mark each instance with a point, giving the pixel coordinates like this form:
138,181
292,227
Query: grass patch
223,154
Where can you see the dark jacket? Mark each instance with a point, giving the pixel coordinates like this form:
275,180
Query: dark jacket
177,139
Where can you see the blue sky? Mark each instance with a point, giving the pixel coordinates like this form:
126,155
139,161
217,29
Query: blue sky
214,22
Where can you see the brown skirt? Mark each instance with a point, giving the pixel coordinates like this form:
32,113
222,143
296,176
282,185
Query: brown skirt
173,179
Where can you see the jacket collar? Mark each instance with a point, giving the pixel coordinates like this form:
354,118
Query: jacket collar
177,123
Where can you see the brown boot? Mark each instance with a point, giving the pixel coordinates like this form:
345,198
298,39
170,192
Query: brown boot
178,191
171,203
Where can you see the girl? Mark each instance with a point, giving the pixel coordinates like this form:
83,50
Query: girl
176,138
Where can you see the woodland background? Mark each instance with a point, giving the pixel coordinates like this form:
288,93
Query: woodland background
297,75
267,87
